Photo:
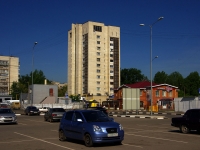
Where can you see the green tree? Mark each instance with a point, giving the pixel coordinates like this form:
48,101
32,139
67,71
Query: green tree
160,77
192,84
62,91
175,79
75,98
132,75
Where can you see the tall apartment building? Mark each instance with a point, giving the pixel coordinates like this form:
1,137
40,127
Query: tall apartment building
93,59
9,73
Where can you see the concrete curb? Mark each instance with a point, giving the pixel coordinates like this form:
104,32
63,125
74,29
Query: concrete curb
148,113
140,116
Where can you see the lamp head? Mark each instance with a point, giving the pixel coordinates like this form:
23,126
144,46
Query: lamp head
35,43
160,18
142,24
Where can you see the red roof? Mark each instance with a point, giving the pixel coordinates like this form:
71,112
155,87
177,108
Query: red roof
142,84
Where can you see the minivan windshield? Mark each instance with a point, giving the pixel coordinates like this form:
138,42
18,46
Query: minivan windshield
3,111
95,116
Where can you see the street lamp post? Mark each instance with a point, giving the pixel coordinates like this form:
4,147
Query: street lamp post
160,18
32,70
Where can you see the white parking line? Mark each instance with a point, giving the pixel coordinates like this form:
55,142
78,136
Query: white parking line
16,141
132,145
43,141
158,138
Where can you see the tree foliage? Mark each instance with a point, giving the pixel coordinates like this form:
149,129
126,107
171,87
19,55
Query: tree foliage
175,79
160,77
62,91
192,84
131,75
75,98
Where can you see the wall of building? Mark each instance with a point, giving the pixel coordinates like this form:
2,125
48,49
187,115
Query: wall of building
40,92
89,60
9,73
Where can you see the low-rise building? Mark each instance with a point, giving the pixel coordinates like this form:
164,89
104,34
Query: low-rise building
162,95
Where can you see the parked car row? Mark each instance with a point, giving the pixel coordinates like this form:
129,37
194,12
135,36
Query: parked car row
91,125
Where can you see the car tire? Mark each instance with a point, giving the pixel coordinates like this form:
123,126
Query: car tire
118,143
184,129
62,136
88,140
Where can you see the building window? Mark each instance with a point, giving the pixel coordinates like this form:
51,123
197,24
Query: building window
98,59
98,36
98,77
111,39
164,93
98,48
97,28
111,44
111,55
157,93
98,42
111,66
111,71
111,83
111,77
98,88
70,35
98,71
111,60
170,94
141,92
98,53
98,82
98,65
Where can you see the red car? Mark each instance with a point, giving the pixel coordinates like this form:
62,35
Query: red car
3,105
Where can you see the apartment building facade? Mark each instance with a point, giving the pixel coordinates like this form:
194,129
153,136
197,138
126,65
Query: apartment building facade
93,59
9,73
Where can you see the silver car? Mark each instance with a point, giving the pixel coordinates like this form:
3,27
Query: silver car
7,116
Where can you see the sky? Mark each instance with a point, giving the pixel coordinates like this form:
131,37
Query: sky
175,39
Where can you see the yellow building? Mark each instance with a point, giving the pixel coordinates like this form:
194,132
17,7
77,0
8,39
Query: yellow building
9,73
93,59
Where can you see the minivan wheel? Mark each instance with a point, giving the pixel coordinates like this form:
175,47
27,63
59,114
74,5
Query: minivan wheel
62,136
88,140
184,129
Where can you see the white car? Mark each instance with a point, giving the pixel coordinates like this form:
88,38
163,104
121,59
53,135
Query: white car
43,109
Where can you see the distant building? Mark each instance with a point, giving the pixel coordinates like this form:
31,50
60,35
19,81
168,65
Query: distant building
60,85
163,94
93,59
9,73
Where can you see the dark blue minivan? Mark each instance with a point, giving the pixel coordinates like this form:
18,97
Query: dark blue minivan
90,126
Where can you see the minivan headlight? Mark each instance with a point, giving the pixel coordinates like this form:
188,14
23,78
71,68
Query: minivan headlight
120,127
96,128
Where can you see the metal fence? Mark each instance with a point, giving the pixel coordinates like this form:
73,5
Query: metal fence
183,106
65,106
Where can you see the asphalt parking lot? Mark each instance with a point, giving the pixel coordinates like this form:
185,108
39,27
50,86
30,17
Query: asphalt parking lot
33,133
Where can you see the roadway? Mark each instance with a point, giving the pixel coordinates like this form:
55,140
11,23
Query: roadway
33,133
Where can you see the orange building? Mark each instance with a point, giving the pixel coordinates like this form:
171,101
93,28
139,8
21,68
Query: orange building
162,95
